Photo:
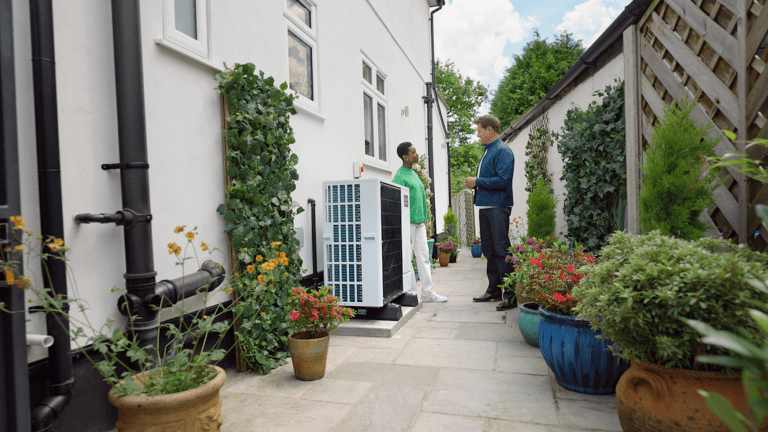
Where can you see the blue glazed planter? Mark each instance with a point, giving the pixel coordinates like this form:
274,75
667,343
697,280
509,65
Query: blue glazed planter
528,321
580,361
477,250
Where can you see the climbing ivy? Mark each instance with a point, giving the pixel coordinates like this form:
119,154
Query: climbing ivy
592,145
536,151
258,214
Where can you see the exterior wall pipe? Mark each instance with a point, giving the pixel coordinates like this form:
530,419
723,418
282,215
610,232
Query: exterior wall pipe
430,100
134,176
315,277
169,292
51,217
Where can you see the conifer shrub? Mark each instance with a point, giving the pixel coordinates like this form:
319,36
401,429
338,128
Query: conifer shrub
676,185
541,211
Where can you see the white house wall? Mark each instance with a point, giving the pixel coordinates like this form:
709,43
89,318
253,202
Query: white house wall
183,118
580,97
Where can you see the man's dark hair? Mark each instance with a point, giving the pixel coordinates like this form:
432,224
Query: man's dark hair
402,149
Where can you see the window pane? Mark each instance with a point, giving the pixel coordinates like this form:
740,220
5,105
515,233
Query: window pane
300,66
382,133
367,72
185,12
300,11
380,84
368,118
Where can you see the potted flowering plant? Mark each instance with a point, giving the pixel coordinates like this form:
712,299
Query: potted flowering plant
550,277
476,247
444,251
171,383
314,314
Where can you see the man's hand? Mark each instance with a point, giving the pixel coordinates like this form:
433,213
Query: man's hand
470,182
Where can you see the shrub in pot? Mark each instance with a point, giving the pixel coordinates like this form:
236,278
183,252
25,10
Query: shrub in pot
579,360
444,251
637,296
476,247
172,385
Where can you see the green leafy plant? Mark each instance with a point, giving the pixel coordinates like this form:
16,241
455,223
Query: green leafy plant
522,250
541,211
592,145
536,151
258,212
315,314
642,287
171,368
676,186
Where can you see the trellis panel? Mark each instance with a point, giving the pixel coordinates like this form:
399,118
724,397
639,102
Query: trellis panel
715,52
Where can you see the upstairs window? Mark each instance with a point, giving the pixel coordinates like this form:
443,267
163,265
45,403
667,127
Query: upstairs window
302,50
185,24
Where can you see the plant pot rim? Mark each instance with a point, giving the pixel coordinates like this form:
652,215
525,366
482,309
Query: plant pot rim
167,400
689,372
563,319
531,305
294,336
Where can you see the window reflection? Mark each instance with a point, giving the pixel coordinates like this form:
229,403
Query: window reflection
368,116
301,11
300,66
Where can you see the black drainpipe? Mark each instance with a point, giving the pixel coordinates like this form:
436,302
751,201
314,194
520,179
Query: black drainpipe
429,99
51,217
315,276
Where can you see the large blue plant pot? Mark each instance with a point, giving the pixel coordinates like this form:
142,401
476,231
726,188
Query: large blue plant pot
528,321
477,250
580,361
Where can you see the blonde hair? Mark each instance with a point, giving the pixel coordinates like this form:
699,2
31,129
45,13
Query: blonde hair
488,121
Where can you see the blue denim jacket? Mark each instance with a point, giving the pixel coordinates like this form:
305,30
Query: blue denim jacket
494,184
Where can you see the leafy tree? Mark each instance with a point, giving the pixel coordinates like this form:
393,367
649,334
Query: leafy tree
463,96
533,74
541,210
464,161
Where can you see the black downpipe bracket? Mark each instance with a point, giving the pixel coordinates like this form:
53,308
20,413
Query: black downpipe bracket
430,100
51,214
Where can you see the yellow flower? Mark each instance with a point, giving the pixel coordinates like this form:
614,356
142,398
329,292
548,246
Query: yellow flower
172,248
204,246
111,289
179,229
259,258
191,235
245,249
9,278
29,233
262,279
23,282
218,265
18,248
274,262
250,268
18,221
276,243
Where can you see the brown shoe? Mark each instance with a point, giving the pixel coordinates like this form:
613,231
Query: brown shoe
486,298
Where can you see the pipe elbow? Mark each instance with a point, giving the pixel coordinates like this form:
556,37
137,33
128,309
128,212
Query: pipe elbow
44,415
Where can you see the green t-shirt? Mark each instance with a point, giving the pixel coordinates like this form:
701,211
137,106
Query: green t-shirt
406,177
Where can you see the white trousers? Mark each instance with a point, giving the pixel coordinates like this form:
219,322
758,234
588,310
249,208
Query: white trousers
423,263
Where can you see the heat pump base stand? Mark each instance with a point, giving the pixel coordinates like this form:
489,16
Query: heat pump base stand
388,312
407,299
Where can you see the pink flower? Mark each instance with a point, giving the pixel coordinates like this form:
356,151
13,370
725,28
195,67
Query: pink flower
294,315
428,191
559,297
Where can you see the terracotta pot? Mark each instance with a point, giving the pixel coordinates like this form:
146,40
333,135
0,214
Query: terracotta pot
444,258
308,356
194,410
653,398
520,298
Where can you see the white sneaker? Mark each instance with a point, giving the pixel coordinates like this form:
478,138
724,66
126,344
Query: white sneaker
435,297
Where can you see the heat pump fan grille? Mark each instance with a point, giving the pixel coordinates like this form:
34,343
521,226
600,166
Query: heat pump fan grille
392,241
345,270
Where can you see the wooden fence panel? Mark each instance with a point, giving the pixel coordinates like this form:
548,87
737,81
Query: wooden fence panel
715,52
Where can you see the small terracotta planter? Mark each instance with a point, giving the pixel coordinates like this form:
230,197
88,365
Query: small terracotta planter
308,356
521,298
652,398
194,410
444,258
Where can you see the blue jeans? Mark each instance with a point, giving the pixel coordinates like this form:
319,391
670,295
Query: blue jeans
494,237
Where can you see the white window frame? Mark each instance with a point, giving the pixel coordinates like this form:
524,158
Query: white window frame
197,47
378,99
308,35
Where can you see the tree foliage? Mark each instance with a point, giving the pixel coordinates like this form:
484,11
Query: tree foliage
676,185
541,210
533,74
463,96
592,145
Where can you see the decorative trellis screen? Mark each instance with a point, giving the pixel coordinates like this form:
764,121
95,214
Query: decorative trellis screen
465,211
713,50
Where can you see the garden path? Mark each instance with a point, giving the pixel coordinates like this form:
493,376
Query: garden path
456,366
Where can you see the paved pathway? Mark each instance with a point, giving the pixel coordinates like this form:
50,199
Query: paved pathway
458,366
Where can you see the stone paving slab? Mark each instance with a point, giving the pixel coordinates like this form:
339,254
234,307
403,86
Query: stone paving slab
469,316
433,422
588,414
448,353
247,414
387,407
386,373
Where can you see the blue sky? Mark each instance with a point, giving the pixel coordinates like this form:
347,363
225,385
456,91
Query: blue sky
481,36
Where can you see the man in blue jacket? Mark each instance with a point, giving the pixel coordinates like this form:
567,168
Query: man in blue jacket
493,196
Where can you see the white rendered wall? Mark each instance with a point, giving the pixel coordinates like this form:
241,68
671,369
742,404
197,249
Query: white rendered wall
580,97
183,118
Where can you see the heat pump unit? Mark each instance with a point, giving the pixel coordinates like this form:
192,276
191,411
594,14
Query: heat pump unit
366,238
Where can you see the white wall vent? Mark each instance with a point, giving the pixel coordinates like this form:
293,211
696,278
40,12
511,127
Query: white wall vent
366,238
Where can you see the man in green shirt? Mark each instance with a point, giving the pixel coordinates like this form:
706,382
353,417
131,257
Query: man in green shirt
418,204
